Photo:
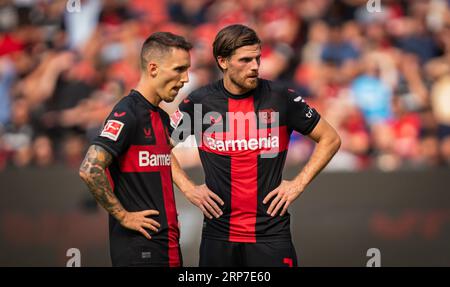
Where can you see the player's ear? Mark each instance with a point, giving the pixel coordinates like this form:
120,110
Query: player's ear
152,69
223,62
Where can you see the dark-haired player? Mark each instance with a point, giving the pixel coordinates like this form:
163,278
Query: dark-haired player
242,125
133,150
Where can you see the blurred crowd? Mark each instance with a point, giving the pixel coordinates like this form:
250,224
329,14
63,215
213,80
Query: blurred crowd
380,76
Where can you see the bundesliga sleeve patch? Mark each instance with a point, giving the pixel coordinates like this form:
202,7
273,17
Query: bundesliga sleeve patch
176,118
112,129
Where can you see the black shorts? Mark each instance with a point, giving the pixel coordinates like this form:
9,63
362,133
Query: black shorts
130,248
217,253
139,254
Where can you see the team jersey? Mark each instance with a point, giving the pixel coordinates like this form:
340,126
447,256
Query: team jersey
137,134
243,142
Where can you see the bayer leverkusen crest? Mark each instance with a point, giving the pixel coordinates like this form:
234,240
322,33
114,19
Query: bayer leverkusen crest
267,116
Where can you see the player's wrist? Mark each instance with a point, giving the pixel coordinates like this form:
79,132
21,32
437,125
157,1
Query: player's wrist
188,187
120,216
298,184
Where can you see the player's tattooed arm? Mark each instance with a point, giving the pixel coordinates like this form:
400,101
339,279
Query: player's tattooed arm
93,172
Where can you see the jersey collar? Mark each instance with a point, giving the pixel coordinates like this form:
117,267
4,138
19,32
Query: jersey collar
143,99
233,96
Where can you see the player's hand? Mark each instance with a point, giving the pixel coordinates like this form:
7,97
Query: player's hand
282,196
138,221
202,197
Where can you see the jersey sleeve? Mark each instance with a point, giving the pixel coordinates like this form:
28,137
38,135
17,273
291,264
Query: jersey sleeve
182,120
117,131
300,116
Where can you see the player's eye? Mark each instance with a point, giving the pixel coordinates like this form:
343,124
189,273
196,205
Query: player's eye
248,60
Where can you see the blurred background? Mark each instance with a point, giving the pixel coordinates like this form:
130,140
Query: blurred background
380,76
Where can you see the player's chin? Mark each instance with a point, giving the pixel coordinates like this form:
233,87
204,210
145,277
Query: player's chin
251,83
171,96
169,99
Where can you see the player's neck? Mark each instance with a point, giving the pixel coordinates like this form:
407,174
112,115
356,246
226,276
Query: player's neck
149,93
233,88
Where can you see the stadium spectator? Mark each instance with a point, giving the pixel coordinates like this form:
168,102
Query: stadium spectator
382,79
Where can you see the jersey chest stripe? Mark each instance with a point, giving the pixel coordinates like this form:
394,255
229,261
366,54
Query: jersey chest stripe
244,182
169,200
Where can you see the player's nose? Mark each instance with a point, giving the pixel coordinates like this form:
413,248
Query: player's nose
254,65
185,77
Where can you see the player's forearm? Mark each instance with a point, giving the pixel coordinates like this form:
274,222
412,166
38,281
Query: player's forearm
99,186
180,178
325,149
93,173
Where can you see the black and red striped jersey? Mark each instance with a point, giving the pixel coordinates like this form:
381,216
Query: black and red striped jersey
243,142
137,134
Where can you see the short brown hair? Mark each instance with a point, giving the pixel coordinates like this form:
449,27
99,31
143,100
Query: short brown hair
231,38
162,42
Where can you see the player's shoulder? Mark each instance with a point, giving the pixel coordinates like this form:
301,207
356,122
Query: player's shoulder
272,86
282,89
125,108
201,94
271,89
125,102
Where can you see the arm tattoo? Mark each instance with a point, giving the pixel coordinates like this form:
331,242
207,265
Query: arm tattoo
93,172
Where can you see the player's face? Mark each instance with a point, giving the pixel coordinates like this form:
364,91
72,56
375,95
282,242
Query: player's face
242,67
173,74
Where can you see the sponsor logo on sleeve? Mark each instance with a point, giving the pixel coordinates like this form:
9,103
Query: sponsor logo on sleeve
112,129
298,99
118,115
